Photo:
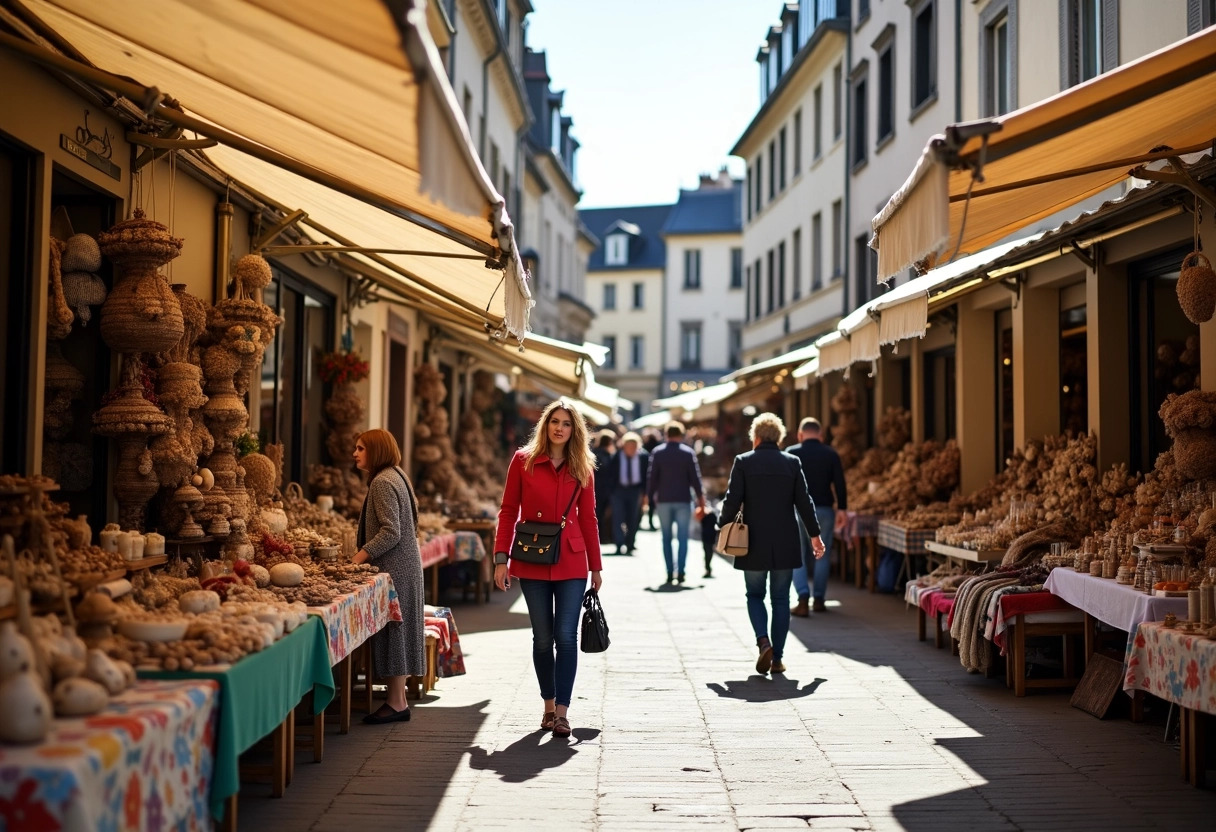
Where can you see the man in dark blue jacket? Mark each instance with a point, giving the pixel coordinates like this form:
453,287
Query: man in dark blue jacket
824,474
675,480
627,471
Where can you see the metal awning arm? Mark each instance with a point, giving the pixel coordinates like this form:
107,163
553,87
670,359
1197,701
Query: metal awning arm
1177,175
260,241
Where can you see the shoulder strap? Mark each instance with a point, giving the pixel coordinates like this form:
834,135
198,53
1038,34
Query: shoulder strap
413,500
570,505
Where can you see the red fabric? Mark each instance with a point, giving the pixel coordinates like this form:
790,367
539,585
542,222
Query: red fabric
941,602
1017,603
435,550
542,494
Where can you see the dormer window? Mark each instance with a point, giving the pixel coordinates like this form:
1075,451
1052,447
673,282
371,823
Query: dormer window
616,250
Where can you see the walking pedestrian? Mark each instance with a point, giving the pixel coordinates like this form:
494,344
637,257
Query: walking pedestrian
628,469
549,476
675,480
824,475
605,447
649,442
767,486
388,537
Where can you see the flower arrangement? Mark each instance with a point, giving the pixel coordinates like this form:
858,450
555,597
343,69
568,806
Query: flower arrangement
343,367
247,443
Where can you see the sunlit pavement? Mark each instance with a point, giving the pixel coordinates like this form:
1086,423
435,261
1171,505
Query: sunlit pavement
868,729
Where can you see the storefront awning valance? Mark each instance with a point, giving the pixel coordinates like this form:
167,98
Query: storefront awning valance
834,353
982,181
651,420
559,367
343,94
788,359
693,399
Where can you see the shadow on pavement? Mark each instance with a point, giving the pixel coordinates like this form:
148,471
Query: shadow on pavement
528,756
763,689
671,588
492,617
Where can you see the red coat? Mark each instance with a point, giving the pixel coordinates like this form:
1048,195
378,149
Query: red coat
542,494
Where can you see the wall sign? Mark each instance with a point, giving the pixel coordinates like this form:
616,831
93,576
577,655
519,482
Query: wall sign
92,149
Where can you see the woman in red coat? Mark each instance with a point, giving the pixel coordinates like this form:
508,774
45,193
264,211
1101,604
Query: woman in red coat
553,471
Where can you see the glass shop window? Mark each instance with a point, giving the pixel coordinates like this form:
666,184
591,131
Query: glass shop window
16,252
1004,387
293,396
940,414
1074,393
1164,348
71,454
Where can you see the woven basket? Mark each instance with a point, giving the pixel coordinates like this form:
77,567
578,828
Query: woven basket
1197,288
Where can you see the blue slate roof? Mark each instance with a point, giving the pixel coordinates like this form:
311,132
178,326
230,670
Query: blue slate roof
707,211
646,250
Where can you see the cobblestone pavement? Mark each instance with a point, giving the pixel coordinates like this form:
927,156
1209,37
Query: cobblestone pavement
868,729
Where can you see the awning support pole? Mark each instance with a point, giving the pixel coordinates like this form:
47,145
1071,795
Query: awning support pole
1177,175
328,249
260,241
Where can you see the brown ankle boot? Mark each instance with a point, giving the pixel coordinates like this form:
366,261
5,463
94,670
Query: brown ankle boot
803,608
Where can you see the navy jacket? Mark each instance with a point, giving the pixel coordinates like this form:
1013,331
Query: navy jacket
675,475
767,484
823,472
612,471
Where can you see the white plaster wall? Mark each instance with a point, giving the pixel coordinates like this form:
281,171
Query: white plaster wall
626,321
715,304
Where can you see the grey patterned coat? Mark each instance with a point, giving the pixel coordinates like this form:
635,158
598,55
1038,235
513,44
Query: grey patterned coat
388,533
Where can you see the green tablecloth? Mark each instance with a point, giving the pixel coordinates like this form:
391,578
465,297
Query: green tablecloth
257,693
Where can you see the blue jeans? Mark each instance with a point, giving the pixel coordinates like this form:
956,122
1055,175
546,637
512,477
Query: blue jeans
553,608
680,514
821,568
626,515
778,584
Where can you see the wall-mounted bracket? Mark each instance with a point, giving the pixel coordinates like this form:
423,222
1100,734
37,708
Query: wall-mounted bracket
157,146
1177,175
1088,257
260,241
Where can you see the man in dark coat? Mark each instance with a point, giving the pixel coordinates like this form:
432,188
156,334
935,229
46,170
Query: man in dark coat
675,480
605,447
825,481
767,485
627,471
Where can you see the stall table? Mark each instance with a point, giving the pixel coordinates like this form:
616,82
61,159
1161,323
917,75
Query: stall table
960,555
452,547
1027,614
932,603
349,621
258,695
1116,605
1180,668
904,541
859,534
485,530
145,762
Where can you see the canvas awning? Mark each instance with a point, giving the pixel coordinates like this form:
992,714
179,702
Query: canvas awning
834,353
982,181
651,420
692,400
343,94
788,359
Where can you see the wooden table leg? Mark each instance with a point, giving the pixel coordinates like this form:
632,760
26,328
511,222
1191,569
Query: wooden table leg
920,623
278,771
228,824
872,563
435,584
1137,714
1193,750
1091,636
345,680
318,737
291,747
1019,656
858,558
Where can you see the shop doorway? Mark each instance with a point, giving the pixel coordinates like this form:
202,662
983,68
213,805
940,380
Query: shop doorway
16,293
292,395
1004,387
1074,372
71,454
941,419
1164,349
398,380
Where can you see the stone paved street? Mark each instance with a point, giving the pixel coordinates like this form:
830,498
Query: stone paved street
869,729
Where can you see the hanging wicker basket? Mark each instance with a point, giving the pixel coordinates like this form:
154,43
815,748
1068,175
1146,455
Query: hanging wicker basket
1197,288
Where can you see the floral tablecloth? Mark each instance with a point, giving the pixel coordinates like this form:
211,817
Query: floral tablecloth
452,547
1173,665
441,624
144,763
352,619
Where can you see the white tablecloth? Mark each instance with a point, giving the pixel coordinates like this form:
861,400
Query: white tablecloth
1117,605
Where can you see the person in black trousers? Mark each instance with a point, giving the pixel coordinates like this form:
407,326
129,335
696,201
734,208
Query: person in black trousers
628,471
649,444
605,447
767,487
709,536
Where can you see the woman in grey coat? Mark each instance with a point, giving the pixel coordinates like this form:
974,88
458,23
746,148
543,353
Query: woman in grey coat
767,485
388,538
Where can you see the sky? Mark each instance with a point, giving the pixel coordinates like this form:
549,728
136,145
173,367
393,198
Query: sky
659,90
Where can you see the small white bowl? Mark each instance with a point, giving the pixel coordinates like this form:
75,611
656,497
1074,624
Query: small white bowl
138,630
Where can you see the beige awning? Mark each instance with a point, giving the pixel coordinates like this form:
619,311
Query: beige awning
558,366
693,399
340,93
834,353
994,178
778,363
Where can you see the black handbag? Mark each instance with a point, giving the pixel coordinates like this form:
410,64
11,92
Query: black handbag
540,542
595,626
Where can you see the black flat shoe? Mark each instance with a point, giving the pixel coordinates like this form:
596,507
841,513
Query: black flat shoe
387,714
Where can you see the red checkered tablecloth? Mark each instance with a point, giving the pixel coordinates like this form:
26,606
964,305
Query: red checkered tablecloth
904,541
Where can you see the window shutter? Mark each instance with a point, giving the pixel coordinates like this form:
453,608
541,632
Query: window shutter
1066,44
1194,16
1110,34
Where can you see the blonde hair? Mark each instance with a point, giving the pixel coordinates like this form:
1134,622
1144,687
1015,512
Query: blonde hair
382,450
578,458
767,427
631,437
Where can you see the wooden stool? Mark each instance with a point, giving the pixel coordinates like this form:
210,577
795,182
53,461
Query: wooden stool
1016,658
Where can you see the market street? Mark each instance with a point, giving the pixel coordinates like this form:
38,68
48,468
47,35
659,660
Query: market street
869,729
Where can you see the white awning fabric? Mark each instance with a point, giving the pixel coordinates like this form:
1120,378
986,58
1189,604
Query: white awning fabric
788,359
834,353
996,177
693,399
341,93
651,420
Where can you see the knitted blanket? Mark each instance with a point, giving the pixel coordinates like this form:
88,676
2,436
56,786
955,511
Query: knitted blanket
970,617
